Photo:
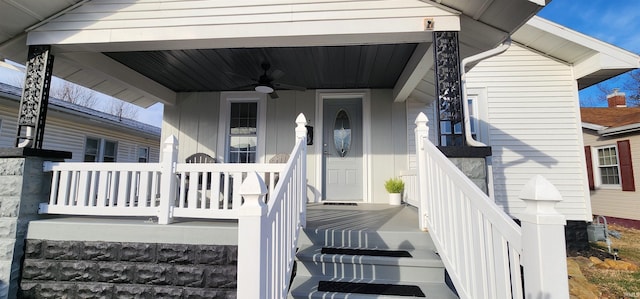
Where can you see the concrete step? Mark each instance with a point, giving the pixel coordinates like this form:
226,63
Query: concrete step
308,288
424,265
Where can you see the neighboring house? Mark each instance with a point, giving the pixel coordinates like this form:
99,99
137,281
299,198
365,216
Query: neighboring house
612,147
234,75
90,135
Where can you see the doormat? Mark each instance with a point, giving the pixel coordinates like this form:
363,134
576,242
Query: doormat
370,288
369,252
340,203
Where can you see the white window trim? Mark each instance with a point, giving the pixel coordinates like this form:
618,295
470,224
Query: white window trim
597,176
226,98
101,144
138,153
479,98
365,95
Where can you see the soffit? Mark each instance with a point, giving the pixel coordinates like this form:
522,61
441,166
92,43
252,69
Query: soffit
594,61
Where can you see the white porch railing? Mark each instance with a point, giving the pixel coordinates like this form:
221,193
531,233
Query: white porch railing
481,246
269,215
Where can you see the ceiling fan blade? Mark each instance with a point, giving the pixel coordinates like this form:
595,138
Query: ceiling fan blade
288,86
274,95
276,74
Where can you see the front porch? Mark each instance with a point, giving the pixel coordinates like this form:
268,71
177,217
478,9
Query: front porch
137,257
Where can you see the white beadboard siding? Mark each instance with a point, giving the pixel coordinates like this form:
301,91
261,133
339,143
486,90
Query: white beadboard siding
66,132
534,128
616,203
156,20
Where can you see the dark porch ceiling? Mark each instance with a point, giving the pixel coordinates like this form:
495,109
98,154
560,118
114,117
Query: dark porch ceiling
326,67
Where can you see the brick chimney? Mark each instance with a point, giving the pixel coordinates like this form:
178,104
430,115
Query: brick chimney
617,99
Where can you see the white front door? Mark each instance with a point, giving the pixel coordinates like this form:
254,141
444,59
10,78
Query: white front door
342,149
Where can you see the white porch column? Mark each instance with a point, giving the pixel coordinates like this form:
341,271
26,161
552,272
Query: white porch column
301,134
252,242
422,135
544,256
168,180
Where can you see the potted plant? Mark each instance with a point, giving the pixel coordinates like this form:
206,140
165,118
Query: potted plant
394,186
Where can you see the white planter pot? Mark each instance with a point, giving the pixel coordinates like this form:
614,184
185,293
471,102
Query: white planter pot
395,199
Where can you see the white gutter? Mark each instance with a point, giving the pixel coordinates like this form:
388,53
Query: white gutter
465,106
620,130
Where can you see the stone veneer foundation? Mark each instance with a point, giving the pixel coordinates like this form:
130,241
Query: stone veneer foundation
90,269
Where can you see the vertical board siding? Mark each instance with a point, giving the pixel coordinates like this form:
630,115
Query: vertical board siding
413,109
533,120
615,202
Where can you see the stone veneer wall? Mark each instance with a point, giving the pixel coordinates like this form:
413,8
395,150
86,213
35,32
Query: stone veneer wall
77,269
23,186
475,169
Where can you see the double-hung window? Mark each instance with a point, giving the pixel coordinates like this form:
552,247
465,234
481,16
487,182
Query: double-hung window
100,150
608,166
143,154
242,127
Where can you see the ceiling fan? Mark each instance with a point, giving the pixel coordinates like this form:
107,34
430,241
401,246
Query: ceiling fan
265,83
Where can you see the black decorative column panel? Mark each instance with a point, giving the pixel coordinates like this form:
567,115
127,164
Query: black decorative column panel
35,97
448,88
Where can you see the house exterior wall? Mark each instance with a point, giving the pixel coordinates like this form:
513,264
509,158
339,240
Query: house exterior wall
533,121
615,202
194,121
116,21
66,132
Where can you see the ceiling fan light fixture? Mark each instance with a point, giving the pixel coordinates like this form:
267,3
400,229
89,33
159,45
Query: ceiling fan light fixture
264,89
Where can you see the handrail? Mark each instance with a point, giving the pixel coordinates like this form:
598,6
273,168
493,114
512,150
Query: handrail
270,231
478,243
486,254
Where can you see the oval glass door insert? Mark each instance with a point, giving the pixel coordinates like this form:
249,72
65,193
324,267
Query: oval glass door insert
342,133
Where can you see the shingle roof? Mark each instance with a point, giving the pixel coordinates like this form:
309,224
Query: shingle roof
131,124
611,117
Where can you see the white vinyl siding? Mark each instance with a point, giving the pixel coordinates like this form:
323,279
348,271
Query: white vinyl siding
64,132
118,21
534,128
615,202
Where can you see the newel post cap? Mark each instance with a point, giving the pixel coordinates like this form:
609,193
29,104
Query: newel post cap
421,120
253,190
541,197
301,128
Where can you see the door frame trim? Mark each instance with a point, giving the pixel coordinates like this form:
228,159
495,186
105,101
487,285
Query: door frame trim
365,95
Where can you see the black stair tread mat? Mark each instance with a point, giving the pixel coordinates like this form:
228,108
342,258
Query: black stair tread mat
369,252
370,288
340,203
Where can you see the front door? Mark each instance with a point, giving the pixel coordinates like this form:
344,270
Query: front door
342,149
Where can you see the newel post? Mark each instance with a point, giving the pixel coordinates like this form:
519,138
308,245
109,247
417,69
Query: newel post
168,182
252,243
544,256
301,135
421,133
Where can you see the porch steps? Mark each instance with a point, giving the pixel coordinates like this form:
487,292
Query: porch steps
423,269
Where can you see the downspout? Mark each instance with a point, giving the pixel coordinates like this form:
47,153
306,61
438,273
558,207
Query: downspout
465,105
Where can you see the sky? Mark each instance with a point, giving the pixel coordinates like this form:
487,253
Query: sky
616,22
613,21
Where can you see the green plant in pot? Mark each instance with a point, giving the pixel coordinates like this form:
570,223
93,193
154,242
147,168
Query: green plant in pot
394,186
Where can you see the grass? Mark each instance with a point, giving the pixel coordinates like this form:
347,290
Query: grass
617,283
